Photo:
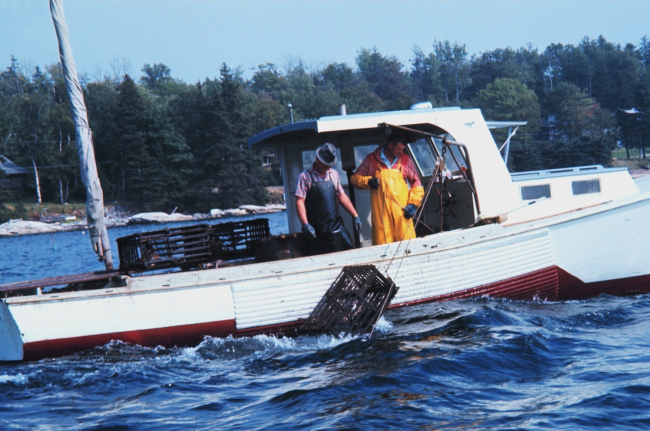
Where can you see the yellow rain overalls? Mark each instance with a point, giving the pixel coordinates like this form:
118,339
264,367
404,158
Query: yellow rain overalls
388,221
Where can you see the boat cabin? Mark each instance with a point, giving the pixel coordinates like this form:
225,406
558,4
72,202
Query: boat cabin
481,188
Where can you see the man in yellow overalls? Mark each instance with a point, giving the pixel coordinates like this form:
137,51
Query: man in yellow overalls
386,172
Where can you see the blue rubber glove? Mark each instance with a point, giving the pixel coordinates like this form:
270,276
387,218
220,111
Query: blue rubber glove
409,210
357,224
373,183
309,231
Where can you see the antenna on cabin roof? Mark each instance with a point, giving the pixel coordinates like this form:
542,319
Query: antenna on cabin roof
290,106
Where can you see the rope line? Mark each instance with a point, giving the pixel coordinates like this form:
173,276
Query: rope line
437,172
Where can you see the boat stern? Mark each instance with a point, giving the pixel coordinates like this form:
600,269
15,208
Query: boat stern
11,343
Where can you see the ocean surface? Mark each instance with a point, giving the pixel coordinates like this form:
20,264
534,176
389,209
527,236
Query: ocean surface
479,364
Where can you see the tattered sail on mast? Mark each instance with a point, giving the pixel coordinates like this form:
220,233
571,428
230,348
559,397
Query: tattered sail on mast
94,195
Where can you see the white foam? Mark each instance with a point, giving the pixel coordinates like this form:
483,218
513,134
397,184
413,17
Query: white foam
262,345
17,379
383,325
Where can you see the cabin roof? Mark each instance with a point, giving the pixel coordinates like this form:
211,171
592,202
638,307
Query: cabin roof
342,123
10,167
563,172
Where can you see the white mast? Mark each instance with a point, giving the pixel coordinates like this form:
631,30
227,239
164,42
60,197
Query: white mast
94,195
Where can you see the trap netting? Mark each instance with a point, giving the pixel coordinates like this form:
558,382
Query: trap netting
353,304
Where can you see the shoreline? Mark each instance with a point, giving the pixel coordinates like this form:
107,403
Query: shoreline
114,218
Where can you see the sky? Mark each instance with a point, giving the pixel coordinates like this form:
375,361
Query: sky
193,38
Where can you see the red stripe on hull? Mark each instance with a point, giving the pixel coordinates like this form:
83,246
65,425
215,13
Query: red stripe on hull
551,284
572,288
542,284
182,336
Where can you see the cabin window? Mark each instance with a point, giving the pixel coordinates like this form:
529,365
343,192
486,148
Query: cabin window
535,192
461,157
586,187
309,157
423,157
362,151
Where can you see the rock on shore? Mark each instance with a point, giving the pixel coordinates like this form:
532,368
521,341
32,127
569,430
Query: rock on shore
24,227
158,217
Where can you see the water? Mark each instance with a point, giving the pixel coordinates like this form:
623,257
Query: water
30,257
470,364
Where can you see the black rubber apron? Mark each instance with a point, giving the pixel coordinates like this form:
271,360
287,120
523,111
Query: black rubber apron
322,214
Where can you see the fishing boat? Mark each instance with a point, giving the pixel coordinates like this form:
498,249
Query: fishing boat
548,235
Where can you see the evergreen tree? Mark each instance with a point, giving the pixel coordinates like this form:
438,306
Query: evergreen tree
525,156
386,78
425,77
130,140
338,77
101,102
454,71
353,90
169,171
268,82
574,114
522,65
309,99
507,99
642,105
62,133
155,75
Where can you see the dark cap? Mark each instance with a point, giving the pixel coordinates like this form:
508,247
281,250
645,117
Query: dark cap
398,136
326,153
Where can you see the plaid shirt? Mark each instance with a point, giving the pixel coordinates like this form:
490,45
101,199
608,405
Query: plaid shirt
311,175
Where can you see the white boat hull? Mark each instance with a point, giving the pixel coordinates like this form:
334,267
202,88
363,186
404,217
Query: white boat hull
572,256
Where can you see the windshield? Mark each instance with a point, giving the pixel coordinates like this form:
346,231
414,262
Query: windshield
425,157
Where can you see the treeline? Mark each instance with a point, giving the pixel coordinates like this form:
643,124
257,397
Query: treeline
162,143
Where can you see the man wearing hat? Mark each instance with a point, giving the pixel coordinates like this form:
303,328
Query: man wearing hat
317,193
395,189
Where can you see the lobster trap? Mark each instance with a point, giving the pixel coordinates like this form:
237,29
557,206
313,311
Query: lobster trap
190,246
353,304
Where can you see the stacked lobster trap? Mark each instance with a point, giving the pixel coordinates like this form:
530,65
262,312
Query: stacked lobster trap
191,246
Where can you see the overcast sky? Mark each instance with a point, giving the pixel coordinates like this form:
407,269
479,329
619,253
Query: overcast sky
193,38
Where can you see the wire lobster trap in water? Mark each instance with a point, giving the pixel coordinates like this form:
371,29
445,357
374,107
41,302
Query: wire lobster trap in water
353,304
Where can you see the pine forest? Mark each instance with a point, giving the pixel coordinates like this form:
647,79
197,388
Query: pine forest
162,143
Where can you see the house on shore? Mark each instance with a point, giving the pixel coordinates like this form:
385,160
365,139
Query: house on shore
14,176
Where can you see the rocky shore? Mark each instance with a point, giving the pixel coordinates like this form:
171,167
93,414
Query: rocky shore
116,217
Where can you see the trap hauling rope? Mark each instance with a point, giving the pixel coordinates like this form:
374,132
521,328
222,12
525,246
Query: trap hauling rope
353,304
